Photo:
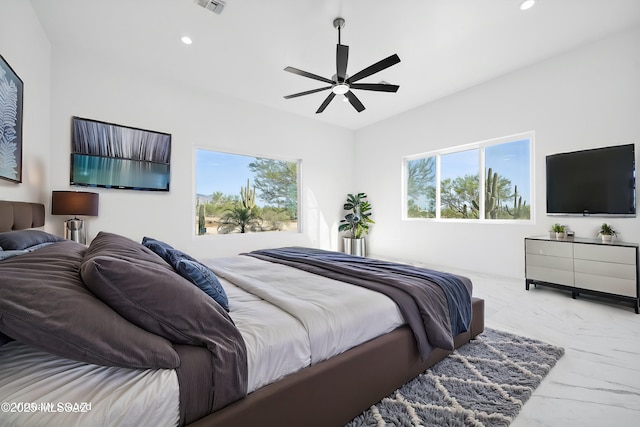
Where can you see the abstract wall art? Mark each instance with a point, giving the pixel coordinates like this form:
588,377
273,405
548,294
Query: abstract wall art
11,97
122,157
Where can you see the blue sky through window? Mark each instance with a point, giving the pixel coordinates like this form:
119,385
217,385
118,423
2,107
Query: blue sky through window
512,161
459,164
223,172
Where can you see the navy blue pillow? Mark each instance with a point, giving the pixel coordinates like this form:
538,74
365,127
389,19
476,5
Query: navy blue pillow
201,276
160,248
23,239
191,269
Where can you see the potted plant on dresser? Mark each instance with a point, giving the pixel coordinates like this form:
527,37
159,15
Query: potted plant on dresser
356,222
559,230
606,232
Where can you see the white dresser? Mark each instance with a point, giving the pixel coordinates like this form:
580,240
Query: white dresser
584,266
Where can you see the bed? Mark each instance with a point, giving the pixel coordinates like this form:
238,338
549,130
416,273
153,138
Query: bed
321,359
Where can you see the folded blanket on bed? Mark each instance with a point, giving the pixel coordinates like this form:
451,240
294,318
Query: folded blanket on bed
435,305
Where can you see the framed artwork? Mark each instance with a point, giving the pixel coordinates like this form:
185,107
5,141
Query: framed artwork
11,96
115,156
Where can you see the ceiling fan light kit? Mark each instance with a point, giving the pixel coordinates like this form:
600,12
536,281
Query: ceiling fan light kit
340,89
343,84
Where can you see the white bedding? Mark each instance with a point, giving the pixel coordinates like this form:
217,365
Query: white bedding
336,315
276,346
288,318
117,396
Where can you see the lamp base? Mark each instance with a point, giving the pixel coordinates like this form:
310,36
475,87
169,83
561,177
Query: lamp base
74,230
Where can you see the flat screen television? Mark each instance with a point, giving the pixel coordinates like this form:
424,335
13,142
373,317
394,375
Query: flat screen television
597,182
114,156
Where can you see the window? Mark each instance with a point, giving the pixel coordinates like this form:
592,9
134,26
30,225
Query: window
507,182
243,194
421,187
485,181
459,196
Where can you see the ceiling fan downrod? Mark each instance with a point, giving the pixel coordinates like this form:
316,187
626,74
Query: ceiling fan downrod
338,23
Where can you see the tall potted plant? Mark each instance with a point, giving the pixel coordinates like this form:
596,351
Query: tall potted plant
356,222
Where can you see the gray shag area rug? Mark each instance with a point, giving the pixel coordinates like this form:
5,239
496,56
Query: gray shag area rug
484,383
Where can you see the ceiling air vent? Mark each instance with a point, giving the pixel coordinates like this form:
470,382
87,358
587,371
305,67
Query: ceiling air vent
215,6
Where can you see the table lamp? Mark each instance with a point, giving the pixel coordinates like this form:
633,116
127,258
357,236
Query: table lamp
74,203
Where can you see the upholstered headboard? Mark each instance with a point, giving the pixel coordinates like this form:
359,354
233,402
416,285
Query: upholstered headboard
20,215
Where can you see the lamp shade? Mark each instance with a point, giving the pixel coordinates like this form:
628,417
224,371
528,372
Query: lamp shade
74,203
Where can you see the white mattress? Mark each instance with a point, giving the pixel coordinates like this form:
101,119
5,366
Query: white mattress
288,318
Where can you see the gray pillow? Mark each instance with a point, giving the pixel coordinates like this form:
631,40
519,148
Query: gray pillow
117,246
22,239
160,301
44,303
168,305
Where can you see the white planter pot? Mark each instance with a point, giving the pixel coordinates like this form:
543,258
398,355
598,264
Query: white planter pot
559,235
354,246
607,238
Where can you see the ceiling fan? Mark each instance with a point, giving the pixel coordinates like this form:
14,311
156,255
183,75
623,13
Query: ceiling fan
341,83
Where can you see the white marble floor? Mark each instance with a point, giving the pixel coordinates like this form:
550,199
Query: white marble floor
597,381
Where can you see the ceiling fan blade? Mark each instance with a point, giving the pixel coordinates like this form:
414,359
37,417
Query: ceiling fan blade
378,87
326,102
295,95
342,57
353,99
372,69
309,75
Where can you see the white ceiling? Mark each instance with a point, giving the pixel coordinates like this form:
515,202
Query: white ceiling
445,45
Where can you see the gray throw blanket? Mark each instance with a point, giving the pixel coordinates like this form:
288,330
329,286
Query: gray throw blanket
435,305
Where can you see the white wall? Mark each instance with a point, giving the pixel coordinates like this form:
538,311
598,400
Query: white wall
89,87
25,47
586,98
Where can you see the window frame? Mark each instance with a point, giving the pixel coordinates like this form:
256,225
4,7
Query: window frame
480,146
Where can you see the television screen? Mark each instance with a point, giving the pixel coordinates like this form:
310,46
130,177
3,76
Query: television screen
598,182
114,156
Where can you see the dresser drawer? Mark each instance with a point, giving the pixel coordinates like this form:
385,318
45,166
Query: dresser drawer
617,254
557,249
606,269
610,285
544,261
561,277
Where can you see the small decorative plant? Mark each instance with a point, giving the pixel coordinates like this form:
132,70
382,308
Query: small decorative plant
359,217
606,232
559,230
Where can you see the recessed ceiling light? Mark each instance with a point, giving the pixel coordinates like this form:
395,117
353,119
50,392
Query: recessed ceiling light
527,4
186,40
